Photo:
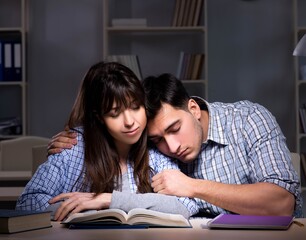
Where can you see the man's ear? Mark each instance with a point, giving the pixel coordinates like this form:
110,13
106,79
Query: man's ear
194,108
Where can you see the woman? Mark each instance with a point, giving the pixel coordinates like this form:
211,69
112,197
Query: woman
111,162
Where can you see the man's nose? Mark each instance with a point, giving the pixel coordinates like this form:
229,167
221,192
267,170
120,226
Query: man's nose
173,145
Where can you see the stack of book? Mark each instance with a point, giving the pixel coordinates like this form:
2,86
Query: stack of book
303,164
190,66
187,13
131,61
302,111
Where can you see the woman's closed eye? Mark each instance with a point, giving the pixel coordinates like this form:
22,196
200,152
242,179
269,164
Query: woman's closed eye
115,112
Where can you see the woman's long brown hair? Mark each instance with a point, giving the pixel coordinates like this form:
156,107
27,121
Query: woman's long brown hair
104,84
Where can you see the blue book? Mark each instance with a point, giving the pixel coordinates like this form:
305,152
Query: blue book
250,222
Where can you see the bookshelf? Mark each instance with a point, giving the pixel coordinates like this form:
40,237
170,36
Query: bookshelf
299,8
159,40
12,68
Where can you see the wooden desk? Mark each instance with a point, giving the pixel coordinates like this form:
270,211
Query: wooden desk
59,232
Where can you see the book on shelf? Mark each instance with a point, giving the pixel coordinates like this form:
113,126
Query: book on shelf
198,66
303,163
302,113
1,62
197,14
187,13
190,66
17,61
129,22
192,11
117,217
180,65
131,61
232,221
186,66
12,221
180,13
10,57
176,13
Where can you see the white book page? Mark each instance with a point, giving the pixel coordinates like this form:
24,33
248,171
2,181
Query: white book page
96,216
145,215
199,223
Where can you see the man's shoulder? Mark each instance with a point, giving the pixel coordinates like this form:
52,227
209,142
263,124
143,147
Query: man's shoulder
237,104
238,114
243,107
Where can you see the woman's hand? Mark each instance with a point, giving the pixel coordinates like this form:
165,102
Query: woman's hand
79,201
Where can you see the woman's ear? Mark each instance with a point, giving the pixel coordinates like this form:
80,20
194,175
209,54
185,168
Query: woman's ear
194,108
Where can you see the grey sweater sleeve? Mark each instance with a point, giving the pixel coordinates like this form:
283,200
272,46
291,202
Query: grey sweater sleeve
153,201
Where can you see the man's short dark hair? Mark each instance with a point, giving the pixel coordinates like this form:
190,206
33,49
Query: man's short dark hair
164,88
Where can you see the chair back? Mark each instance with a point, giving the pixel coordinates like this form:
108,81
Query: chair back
16,154
39,156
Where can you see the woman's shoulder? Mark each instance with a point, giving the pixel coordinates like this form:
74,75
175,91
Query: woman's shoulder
160,160
155,153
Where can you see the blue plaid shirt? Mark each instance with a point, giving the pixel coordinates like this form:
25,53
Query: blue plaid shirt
244,145
63,173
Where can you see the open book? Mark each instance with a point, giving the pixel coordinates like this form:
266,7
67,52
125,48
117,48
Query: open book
135,217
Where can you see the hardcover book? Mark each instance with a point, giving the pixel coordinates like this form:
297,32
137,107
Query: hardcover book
12,221
117,217
250,222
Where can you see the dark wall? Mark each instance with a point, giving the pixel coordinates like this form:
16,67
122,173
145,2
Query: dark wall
249,57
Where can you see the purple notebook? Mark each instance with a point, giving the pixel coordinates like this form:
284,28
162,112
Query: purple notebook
250,222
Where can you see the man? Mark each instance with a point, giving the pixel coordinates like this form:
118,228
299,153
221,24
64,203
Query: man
234,156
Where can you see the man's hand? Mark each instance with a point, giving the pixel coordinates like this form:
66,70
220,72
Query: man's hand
172,182
77,201
60,141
